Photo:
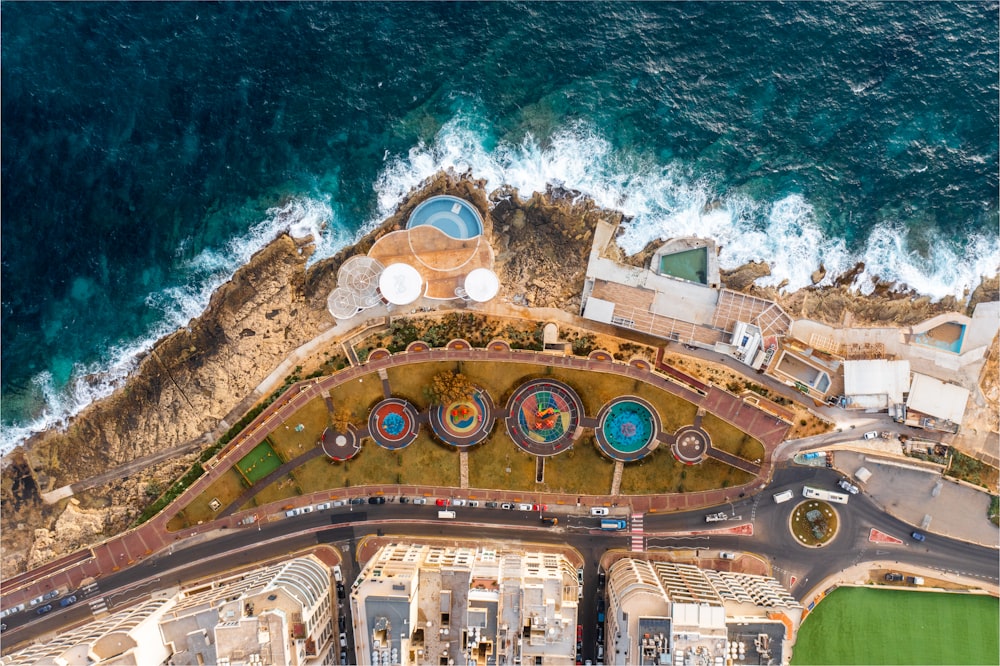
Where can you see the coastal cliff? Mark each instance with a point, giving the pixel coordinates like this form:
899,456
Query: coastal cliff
179,398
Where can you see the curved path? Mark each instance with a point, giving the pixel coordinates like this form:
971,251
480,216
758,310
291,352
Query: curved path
153,536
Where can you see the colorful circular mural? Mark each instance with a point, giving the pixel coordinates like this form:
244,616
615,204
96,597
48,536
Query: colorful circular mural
464,422
627,428
392,423
543,416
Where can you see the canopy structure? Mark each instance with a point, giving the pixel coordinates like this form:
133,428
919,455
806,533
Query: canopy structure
400,284
482,285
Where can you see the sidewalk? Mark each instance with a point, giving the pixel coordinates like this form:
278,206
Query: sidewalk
910,494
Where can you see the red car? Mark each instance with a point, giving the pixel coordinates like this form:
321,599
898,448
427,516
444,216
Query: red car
541,507
442,502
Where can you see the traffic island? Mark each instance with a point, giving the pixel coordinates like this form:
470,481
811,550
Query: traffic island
814,523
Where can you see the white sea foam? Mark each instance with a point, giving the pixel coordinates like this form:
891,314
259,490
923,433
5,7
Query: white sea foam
205,273
663,201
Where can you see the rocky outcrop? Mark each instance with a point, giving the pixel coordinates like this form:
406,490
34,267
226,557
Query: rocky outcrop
192,378
543,246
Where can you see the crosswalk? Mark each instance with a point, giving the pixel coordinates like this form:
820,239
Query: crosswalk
98,605
638,540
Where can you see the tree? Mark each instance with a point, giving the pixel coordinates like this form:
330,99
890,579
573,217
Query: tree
341,419
448,387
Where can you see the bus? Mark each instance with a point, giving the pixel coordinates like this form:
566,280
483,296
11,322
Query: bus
829,496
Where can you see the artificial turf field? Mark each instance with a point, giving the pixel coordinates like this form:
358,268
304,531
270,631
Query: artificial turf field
260,462
866,626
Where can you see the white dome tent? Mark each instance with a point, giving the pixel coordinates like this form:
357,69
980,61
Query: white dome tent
482,285
400,284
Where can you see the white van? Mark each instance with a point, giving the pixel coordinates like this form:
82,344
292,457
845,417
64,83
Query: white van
783,496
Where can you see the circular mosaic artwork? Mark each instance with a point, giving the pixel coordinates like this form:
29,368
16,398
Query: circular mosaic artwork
626,428
392,423
543,416
464,422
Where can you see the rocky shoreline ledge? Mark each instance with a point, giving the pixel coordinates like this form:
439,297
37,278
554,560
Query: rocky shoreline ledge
194,383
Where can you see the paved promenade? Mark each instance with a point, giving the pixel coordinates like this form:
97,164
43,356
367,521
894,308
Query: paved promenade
153,536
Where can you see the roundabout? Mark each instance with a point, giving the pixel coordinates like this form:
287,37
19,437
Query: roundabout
543,416
814,523
627,428
392,423
463,423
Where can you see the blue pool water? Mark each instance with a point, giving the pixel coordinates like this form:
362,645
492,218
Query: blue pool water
453,216
954,347
628,427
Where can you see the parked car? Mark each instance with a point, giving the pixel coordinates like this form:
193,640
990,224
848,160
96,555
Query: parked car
442,502
917,536
68,601
492,505
893,577
871,434
599,511
420,500
42,610
506,506
376,500
357,500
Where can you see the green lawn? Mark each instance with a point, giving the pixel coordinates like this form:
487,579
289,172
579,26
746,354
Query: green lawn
863,626
260,462
731,439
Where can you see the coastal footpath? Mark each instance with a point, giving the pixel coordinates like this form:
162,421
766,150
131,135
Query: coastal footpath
195,383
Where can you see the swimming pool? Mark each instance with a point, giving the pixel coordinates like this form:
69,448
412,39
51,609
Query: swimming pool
455,217
691,265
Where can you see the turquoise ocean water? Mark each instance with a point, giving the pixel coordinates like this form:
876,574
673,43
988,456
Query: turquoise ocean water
148,149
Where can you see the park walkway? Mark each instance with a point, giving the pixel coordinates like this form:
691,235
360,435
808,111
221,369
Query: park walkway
153,535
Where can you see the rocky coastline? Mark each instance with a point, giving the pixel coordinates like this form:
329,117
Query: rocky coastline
189,389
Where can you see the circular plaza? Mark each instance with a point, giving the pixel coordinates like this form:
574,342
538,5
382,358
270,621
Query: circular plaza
543,416
627,428
463,423
392,423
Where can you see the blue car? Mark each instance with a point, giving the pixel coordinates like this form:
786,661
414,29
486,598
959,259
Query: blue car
918,536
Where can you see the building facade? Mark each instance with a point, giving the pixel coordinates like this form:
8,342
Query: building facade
422,604
670,613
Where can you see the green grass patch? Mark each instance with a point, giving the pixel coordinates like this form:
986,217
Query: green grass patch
225,489
581,470
864,626
661,473
731,439
969,469
802,527
261,461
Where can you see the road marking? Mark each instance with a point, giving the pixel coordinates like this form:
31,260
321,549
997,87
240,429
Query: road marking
98,606
638,542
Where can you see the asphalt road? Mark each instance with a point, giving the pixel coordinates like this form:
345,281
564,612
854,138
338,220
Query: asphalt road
228,550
